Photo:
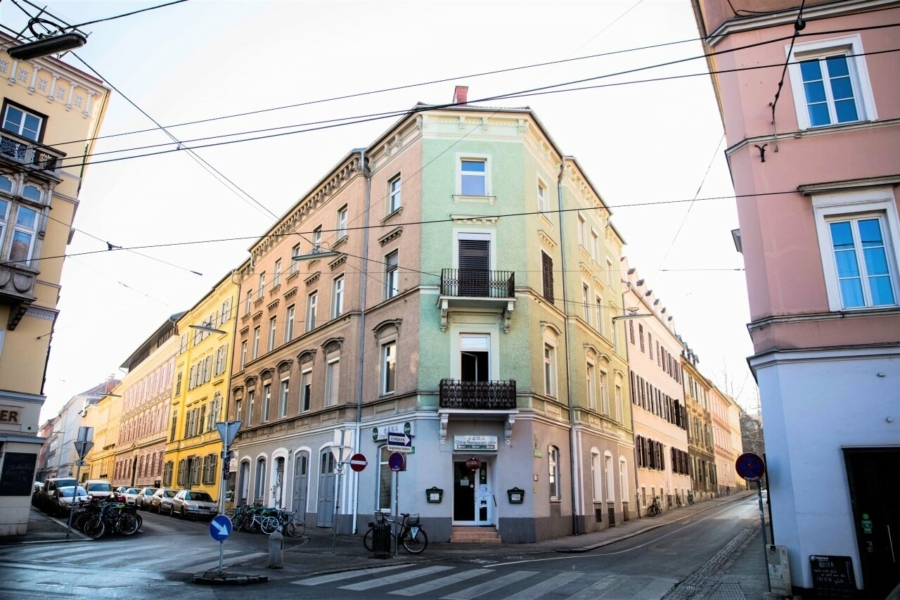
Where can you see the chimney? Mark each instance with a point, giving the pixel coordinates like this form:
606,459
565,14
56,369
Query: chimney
460,93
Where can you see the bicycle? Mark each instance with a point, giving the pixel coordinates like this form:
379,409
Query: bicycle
290,524
258,520
411,535
654,508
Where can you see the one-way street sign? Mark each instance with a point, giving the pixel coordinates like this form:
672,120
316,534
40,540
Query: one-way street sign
399,442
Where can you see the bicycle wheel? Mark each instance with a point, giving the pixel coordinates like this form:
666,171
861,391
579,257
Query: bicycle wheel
269,525
127,524
415,541
295,529
94,528
367,539
236,522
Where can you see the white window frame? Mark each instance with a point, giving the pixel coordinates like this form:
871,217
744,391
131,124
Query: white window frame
283,392
833,206
395,193
273,328
22,124
486,159
255,353
341,223
595,244
295,264
386,360
243,354
582,228
337,302
332,380
267,400
596,476
316,240
312,303
599,308
32,233
290,315
543,201
603,383
391,275
859,76
276,281
554,483
249,302
262,285
586,301
591,383
305,381
550,375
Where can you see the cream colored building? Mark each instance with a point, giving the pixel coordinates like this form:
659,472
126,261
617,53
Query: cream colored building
45,104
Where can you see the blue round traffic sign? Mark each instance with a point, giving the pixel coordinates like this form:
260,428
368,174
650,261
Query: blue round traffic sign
750,466
395,462
220,528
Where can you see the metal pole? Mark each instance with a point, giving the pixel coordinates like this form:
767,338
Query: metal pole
337,501
74,497
396,513
762,521
222,498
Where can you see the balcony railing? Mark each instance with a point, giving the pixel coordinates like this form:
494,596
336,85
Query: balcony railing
478,395
475,283
27,152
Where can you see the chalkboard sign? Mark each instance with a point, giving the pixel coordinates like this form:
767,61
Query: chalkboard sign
18,474
833,577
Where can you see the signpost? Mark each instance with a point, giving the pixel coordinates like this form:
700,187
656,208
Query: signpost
220,529
227,431
751,468
83,445
341,449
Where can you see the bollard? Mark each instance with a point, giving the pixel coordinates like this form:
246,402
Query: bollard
276,549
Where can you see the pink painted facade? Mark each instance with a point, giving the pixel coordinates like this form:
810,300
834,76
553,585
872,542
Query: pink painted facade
816,184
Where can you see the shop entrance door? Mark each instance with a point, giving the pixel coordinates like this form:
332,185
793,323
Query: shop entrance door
472,500
874,476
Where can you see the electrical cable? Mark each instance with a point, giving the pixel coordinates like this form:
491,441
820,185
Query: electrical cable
799,25
128,14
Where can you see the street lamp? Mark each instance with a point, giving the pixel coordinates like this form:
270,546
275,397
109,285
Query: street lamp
207,329
316,254
621,317
48,46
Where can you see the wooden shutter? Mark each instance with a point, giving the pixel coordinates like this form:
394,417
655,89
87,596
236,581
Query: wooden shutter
547,276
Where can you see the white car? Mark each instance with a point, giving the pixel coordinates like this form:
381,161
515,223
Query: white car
64,496
131,495
198,505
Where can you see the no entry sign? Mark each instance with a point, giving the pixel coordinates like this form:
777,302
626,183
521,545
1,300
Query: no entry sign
358,462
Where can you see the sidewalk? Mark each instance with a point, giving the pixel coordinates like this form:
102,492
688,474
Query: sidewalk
42,529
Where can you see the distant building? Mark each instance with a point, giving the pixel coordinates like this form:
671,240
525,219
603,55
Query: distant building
46,103
700,433
814,155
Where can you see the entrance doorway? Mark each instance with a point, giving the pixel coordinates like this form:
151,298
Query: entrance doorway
874,476
301,483
472,499
325,514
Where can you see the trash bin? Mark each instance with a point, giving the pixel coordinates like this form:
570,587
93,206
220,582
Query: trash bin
381,539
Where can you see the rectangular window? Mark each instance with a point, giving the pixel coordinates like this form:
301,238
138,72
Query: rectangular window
598,305
289,324
305,390
641,336
226,311
604,393
549,370
273,327
22,123
542,198
586,302
862,262
266,400
311,304
23,236
276,281
262,285
243,354
553,475
595,244
251,400
391,275
547,276
591,387
317,240
620,407
388,368
238,410
609,272
332,381
580,231
283,398
249,302
295,264
473,177
394,192
829,91
341,223
337,302
255,342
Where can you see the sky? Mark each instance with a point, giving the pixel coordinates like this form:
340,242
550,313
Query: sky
648,147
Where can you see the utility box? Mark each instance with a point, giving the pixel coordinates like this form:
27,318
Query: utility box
779,570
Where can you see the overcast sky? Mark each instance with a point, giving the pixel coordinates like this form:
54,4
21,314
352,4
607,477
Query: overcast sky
639,143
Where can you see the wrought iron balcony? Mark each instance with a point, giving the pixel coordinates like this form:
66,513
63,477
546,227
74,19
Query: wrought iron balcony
475,283
29,153
478,395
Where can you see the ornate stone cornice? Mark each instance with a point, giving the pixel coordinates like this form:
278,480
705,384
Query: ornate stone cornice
313,278
337,262
273,304
257,316
546,239
290,293
390,236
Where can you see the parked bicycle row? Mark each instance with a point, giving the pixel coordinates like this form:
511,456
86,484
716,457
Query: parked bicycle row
97,518
259,519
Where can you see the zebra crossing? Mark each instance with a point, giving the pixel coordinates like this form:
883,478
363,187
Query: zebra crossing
127,555
455,583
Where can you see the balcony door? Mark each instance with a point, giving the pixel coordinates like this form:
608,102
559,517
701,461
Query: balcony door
474,357
474,264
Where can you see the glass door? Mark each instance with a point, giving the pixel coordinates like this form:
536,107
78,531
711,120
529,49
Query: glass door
472,498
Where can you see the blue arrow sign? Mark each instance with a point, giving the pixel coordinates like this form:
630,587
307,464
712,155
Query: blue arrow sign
220,528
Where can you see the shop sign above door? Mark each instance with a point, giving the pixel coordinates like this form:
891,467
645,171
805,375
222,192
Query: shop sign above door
379,434
475,442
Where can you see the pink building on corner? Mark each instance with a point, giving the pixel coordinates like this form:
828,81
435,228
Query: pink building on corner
815,171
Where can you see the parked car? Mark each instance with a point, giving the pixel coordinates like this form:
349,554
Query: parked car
143,498
64,497
196,504
45,501
99,488
161,501
36,492
131,495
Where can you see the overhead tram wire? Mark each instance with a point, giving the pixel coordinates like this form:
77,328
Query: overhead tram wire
128,14
413,85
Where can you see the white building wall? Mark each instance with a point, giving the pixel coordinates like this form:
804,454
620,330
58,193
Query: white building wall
816,403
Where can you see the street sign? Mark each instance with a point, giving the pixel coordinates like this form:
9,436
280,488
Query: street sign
227,431
396,461
83,448
750,466
342,444
220,528
358,462
399,442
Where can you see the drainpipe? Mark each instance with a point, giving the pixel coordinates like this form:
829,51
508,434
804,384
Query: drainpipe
361,346
573,445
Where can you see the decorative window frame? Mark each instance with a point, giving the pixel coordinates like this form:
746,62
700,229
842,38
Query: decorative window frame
827,206
474,156
859,75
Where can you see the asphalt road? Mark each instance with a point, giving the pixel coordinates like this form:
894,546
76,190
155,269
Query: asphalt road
158,563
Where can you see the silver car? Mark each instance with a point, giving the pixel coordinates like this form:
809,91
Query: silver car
131,495
197,504
143,498
161,501
64,496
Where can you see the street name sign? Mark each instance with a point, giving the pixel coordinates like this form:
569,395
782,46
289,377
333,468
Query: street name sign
399,442
220,528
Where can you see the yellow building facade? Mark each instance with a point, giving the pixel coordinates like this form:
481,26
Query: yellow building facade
46,103
202,380
104,417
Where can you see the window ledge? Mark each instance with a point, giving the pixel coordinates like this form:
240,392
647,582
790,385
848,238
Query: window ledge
475,199
340,242
391,215
546,220
293,275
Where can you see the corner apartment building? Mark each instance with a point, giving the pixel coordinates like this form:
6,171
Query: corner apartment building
816,178
145,398
701,447
660,418
205,334
396,296
45,103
